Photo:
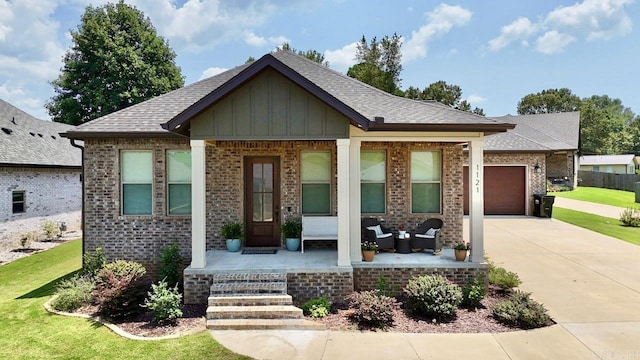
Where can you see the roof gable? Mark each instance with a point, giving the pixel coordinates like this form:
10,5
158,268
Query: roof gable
539,132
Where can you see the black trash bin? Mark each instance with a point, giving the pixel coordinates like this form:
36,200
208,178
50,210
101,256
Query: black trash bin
543,205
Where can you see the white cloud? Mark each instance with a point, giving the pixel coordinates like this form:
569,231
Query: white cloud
475,99
520,29
553,42
16,96
590,20
342,59
439,22
211,72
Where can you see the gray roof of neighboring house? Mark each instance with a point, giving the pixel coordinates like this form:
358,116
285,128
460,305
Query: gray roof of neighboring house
540,132
27,141
626,159
356,100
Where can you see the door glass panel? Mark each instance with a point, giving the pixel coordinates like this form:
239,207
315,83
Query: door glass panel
257,206
267,214
267,177
257,177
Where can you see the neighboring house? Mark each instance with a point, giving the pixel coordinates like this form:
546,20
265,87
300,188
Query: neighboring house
637,162
613,164
39,175
271,140
519,162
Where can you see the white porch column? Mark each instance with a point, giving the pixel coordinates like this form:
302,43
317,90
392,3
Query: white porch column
476,200
198,205
354,201
343,202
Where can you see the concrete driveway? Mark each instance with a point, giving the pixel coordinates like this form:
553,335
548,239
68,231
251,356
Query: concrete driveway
589,283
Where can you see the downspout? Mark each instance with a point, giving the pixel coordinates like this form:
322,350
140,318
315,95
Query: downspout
82,224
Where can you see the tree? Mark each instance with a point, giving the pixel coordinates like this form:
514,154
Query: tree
444,93
116,60
549,101
379,63
310,54
605,126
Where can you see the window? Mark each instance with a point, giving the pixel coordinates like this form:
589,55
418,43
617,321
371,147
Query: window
316,182
179,182
372,182
137,179
18,201
425,181
596,167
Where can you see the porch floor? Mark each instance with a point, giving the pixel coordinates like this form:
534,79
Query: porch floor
323,260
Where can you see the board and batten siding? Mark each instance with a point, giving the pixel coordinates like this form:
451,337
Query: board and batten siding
270,107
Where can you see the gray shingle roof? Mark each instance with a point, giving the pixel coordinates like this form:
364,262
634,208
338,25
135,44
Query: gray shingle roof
626,159
540,132
25,140
147,118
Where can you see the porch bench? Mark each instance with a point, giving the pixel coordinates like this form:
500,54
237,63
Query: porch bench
318,228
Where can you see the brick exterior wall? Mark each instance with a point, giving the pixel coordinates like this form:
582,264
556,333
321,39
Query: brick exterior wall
561,165
537,183
306,286
50,194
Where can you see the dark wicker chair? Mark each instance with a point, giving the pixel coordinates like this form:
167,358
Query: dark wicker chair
427,236
385,241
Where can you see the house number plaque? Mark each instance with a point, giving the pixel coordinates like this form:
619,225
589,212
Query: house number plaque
478,179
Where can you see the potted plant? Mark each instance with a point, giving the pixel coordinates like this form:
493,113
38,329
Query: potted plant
368,250
232,231
460,250
402,233
291,230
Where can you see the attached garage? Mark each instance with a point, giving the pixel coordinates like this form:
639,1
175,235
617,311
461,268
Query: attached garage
505,190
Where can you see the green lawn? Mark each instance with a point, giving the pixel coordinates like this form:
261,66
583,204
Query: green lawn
619,198
599,224
27,331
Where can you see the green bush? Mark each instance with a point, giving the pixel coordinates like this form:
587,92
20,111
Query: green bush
384,288
370,308
505,280
93,263
630,217
473,292
315,306
433,296
164,302
171,265
50,229
73,293
521,311
120,289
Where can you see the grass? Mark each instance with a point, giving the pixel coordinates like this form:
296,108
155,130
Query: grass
612,197
599,224
27,331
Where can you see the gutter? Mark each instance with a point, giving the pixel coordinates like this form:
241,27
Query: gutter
73,143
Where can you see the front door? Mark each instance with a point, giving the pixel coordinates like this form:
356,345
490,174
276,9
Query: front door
262,199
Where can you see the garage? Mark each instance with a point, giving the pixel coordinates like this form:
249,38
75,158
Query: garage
504,190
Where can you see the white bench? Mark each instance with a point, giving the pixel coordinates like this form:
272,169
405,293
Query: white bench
319,228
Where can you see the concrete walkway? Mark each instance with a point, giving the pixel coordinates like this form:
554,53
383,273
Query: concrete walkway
588,282
589,207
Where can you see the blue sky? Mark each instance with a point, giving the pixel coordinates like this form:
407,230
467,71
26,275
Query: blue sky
497,51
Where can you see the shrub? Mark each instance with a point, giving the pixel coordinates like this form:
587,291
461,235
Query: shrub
93,263
164,302
316,308
370,308
50,229
171,265
505,280
630,217
433,296
473,292
521,311
73,293
120,289
27,238
384,288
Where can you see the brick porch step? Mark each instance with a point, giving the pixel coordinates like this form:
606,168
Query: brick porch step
254,312
263,324
247,288
250,300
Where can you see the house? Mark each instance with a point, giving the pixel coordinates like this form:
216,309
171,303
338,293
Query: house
274,139
39,175
519,162
615,164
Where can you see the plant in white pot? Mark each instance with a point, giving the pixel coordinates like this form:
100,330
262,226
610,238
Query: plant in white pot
292,229
232,231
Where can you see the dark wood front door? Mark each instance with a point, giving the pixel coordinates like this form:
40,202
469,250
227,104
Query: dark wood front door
262,199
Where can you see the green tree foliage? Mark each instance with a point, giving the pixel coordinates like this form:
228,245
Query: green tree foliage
116,60
444,93
379,63
549,101
310,54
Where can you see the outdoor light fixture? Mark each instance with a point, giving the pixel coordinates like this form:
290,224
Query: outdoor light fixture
537,169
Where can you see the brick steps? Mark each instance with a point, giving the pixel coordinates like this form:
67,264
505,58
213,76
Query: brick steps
242,301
